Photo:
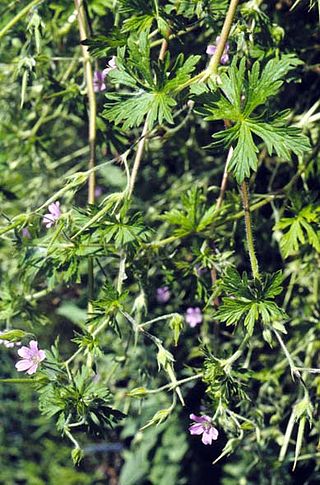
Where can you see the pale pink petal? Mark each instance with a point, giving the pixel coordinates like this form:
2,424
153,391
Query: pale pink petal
23,365
112,62
54,209
32,369
98,81
24,352
110,67
196,428
41,355
48,220
192,323
200,419
214,433
206,438
209,435
225,59
105,72
211,49
33,344
195,418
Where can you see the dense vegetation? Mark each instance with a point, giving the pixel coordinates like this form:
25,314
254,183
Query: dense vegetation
160,240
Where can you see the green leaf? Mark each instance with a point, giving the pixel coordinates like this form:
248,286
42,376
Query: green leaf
101,45
236,98
299,230
152,85
193,216
250,301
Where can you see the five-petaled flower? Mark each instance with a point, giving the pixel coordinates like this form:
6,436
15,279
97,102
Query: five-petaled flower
53,214
163,294
31,358
211,49
193,316
99,76
203,425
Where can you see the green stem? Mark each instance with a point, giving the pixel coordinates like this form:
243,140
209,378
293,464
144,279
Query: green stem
216,58
18,17
293,369
157,42
247,218
82,22
234,357
138,158
71,438
19,381
164,242
212,68
174,385
158,319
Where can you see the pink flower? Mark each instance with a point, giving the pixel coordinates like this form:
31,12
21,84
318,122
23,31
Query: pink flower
98,82
99,76
32,357
211,49
25,233
163,294
203,425
54,214
193,316
110,66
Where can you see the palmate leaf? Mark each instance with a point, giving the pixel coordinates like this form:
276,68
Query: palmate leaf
124,231
193,216
299,230
101,45
152,85
142,14
133,110
237,98
250,301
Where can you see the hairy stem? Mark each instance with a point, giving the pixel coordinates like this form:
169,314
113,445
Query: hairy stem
247,218
83,28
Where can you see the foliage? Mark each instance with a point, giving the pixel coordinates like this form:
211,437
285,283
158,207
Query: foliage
237,101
